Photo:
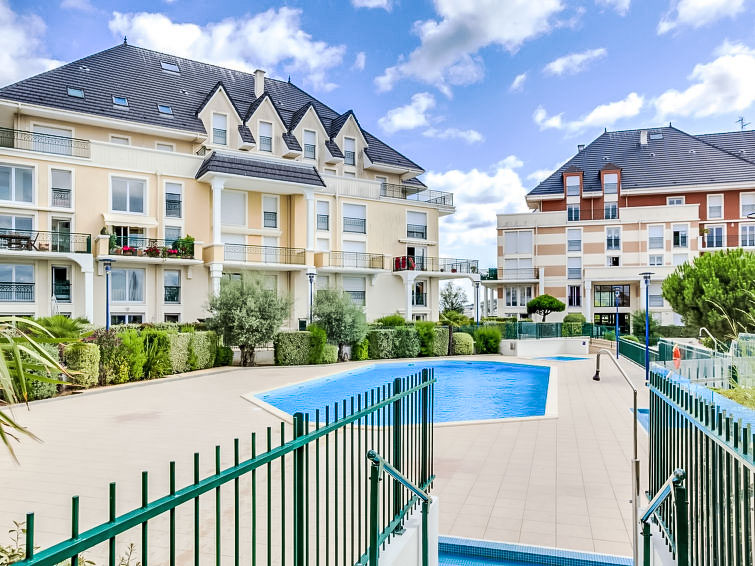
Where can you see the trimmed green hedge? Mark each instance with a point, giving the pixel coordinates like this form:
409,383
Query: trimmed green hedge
380,344
223,356
361,350
571,329
330,354
85,359
292,348
463,344
179,351
440,341
43,389
487,340
204,343
317,340
405,342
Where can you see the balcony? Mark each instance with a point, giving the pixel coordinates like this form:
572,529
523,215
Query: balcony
434,264
16,292
354,225
501,274
39,241
413,192
62,291
44,143
142,246
323,222
419,299
264,254
588,213
358,260
417,231
270,219
61,198
172,294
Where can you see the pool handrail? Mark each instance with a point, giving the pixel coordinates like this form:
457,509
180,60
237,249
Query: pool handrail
674,488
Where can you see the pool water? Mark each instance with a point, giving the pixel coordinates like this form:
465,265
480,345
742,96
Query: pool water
465,390
562,358
455,559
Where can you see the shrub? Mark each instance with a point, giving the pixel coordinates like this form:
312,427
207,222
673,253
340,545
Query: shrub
343,321
179,351
204,343
62,326
463,344
426,334
487,340
360,350
631,338
575,317
390,321
132,346
317,340
43,389
292,348
440,341
223,356
157,350
85,359
114,365
330,354
571,329
405,342
191,359
609,335
380,344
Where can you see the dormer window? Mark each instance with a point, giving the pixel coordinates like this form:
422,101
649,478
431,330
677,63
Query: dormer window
165,109
349,151
220,129
610,183
75,92
266,136
572,185
120,101
170,67
310,141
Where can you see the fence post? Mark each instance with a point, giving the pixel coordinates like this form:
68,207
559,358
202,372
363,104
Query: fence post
374,513
397,449
682,527
299,499
425,542
425,427
646,544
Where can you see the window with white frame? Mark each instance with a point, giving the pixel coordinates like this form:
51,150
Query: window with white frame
675,201
165,146
518,242
679,259
613,238
354,254
518,296
233,208
355,218
126,318
322,282
518,268
655,295
266,136
416,225
572,212
715,206
220,129
747,235
269,211
715,236
120,140
310,144
61,188
747,204
128,195
572,185
14,223
349,151
574,295
613,261
655,237
173,204
172,286
16,183
172,233
323,215
610,210
574,267
16,283
355,287
610,183
574,240
680,235
656,259
127,285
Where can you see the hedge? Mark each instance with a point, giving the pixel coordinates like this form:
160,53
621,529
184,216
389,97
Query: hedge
179,351
463,344
292,348
380,344
85,359
317,340
205,344
487,340
157,349
571,328
330,354
426,333
361,350
440,342
44,389
223,356
405,342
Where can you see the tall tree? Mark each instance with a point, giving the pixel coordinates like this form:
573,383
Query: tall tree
343,321
247,314
544,305
452,298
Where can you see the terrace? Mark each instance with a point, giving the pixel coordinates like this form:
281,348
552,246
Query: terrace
265,255
442,265
42,241
44,143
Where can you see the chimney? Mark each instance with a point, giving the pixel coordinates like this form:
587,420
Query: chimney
643,138
580,147
259,83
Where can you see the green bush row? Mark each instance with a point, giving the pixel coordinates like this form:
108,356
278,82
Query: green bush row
409,341
463,344
304,347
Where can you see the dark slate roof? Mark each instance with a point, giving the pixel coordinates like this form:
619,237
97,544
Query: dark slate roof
263,169
246,134
333,148
299,114
739,143
291,142
671,157
415,182
337,124
134,72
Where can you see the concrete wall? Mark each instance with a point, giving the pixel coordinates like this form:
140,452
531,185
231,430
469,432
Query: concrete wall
576,346
406,549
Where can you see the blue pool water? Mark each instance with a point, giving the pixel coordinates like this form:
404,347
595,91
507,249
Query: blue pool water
562,358
465,390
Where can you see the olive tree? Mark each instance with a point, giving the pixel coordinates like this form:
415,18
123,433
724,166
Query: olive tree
544,305
247,314
343,321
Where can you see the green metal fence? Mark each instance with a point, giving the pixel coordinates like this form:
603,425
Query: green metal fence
635,352
300,495
537,330
715,445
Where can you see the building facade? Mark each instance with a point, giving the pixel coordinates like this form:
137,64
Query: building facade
174,174
628,203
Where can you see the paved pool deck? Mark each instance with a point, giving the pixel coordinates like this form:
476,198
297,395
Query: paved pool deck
562,481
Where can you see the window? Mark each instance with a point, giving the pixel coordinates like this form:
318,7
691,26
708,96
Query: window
349,151
165,147
604,295
679,235
128,195
349,174
233,208
747,204
678,259
75,92
266,136
747,235
610,183
518,268
61,188
518,296
574,267
518,242
572,212
129,236
120,140
675,201
322,244
173,200
611,210
220,129
120,101
165,109
16,283
172,286
355,287
715,237
16,183
715,206
572,185
322,282
171,317
310,144
416,225
656,260
118,318
323,215
655,237
127,285
574,240
171,67
655,295
270,211
172,233
613,238
10,223
613,261
574,295
354,218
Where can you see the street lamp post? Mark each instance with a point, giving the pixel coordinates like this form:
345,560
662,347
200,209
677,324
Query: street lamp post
616,294
311,276
477,302
646,277
108,264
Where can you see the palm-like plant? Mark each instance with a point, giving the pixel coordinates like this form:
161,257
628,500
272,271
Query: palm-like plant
22,360
62,326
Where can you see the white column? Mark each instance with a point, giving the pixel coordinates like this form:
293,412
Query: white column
587,305
217,199
408,283
89,294
216,272
310,220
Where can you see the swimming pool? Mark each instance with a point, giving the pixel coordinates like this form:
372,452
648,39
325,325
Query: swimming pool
562,358
465,390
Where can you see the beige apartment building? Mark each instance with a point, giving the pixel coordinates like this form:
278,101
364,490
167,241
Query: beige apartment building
176,173
630,202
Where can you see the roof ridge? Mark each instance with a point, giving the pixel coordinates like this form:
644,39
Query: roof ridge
722,150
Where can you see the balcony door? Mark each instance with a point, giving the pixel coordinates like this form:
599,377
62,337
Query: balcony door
61,234
419,255
61,284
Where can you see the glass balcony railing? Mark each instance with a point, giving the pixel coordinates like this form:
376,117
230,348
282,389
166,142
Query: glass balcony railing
133,245
409,192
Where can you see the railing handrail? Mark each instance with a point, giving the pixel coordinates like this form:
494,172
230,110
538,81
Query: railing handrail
665,491
41,134
260,247
673,487
384,466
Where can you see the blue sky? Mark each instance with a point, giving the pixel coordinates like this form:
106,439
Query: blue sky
438,79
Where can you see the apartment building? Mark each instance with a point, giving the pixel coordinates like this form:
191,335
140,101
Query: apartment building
173,174
630,202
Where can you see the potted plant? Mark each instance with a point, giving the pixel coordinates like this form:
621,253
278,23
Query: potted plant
170,252
128,250
140,252
153,251
185,246
113,243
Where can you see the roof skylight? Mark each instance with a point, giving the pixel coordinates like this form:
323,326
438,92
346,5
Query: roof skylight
165,109
77,92
656,136
120,101
172,67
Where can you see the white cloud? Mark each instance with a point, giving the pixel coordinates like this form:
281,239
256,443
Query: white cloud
468,136
722,86
621,6
80,5
698,13
574,62
384,4
540,175
447,54
359,61
518,83
603,115
478,196
272,40
21,45
409,116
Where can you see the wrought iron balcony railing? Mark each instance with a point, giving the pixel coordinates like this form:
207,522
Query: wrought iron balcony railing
44,143
264,254
39,241
408,192
270,219
418,231
446,265
172,294
355,225
11,292
62,291
266,143
323,222
357,260
61,198
152,247
349,158
717,240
